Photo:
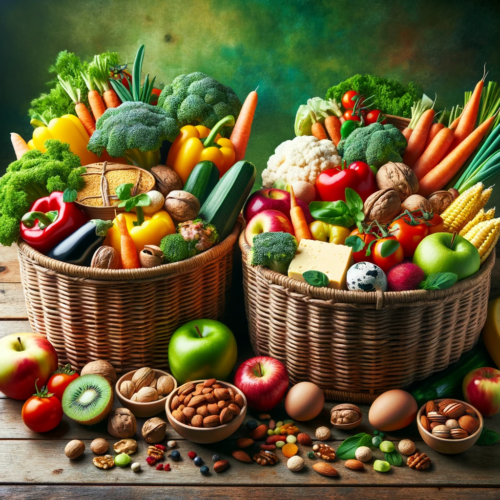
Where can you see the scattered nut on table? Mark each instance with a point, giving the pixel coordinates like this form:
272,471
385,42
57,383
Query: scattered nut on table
128,446
323,433
104,462
406,447
74,449
99,446
363,454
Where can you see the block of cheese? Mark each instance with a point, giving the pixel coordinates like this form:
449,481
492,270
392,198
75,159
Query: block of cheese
332,260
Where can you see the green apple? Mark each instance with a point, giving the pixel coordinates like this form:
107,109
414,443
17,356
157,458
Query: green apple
203,348
445,252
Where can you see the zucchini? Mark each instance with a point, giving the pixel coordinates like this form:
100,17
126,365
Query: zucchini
226,200
202,179
448,383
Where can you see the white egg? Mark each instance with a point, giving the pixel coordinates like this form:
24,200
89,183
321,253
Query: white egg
366,277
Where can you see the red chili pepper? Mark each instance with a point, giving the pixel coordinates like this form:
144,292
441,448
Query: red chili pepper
50,221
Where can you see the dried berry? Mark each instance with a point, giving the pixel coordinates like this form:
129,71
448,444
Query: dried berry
151,460
166,467
191,455
159,467
160,447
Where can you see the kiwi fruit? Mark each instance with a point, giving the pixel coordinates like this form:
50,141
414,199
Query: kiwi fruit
88,399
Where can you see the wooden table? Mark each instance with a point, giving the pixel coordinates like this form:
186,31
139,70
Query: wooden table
34,465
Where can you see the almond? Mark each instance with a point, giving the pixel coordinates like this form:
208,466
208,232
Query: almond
226,415
238,399
181,398
210,398
222,404
188,398
458,433
213,409
207,390
454,410
325,469
430,406
181,407
425,423
197,421
259,432
189,413
241,456
199,389
469,424
444,403
222,394
354,465
235,409
211,421
178,415
244,442
434,424
209,382
434,416
202,410
304,439
175,403
216,386
187,390
231,394
221,465
197,400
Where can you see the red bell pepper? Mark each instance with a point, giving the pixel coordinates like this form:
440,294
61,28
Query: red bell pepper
359,176
50,221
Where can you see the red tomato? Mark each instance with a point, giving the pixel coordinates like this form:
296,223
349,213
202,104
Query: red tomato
436,224
349,116
385,263
361,255
408,235
42,412
373,116
60,379
347,99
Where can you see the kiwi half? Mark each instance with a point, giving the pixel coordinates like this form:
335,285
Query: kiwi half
88,399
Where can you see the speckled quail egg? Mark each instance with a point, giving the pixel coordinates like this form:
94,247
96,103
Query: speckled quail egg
366,277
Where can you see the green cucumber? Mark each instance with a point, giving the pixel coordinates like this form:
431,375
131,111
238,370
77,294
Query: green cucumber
224,204
448,383
202,179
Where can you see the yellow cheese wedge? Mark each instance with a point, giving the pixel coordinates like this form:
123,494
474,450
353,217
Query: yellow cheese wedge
491,332
328,258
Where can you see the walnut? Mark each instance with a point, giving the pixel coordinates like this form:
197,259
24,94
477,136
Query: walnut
182,206
382,206
165,385
440,201
155,452
419,461
99,446
100,367
416,202
143,377
265,458
104,462
345,414
127,389
105,258
153,430
74,449
399,177
167,179
147,394
128,446
151,256
122,423
324,451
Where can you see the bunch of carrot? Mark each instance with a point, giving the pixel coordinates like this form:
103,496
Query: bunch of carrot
330,130
436,153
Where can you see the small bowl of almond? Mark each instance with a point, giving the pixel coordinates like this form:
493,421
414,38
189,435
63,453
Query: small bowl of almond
144,391
449,426
206,411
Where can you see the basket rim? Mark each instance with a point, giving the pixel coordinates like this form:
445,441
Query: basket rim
378,298
184,266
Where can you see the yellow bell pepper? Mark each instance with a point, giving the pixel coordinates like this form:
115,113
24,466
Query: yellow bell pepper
68,129
150,232
322,231
188,149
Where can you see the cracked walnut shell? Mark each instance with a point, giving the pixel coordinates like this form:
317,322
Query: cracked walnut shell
382,206
104,462
345,416
324,451
419,461
155,452
128,446
142,378
265,458
122,423
154,430
398,176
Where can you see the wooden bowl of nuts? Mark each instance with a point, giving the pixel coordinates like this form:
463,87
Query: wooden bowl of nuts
206,411
144,391
449,426
345,416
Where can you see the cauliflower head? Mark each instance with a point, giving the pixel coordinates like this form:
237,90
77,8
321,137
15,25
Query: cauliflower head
300,159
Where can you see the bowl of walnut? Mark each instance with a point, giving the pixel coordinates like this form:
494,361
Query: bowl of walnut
206,411
144,391
345,416
449,426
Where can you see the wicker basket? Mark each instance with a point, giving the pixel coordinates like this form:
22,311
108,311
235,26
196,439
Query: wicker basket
398,121
124,316
356,345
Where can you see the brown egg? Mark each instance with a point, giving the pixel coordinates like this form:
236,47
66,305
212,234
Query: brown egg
304,401
393,410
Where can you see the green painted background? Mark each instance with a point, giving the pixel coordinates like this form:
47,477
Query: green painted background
292,50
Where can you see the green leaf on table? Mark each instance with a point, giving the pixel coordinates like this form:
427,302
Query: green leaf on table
439,281
316,278
488,437
394,458
347,450
389,247
355,242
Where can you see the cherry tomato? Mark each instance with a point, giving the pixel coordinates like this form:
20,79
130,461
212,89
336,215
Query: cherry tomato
42,412
408,235
436,224
385,263
349,116
361,255
373,116
347,99
60,379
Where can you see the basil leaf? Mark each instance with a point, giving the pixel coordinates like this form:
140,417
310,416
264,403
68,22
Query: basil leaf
353,200
394,458
316,278
388,248
332,212
124,191
355,242
488,437
70,195
439,281
347,449
129,204
142,200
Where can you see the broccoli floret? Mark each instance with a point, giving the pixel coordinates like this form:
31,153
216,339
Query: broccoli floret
197,99
375,144
274,250
34,176
199,235
174,248
135,130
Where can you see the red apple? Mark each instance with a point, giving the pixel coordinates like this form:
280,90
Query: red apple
482,390
272,199
268,221
24,358
263,380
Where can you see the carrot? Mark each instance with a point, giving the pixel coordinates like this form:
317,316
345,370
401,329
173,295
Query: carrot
111,98
416,143
434,153
298,218
95,99
446,169
19,145
332,125
407,132
99,70
318,131
81,110
435,128
241,131
129,257
456,121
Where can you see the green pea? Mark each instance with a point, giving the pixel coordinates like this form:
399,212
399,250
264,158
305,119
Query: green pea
381,466
310,454
376,440
122,460
382,435
280,444
386,446
270,432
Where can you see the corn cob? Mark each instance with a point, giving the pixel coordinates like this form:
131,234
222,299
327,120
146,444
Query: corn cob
463,209
481,216
484,237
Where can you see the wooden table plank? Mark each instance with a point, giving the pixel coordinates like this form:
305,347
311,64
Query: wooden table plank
12,305
9,265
